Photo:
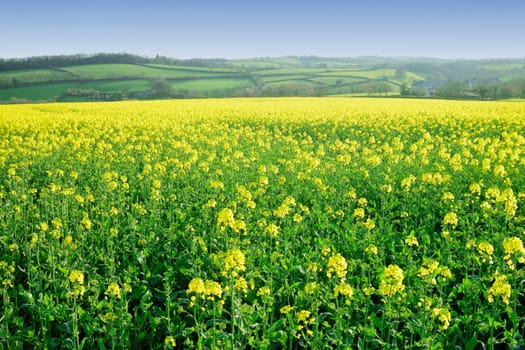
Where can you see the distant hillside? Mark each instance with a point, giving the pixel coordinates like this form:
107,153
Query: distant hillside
125,76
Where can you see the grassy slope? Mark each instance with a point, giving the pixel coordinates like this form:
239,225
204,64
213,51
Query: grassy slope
114,78
36,93
114,71
338,75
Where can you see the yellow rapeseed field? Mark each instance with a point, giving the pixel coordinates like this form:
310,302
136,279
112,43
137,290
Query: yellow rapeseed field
262,223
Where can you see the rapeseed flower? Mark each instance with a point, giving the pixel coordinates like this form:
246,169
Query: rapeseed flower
76,276
500,288
225,219
513,247
336,265
343,289
113,290
234,262
451,219
272,229
371,249
196,286
443,316
170,341
391,281
285,309
263,291
411,240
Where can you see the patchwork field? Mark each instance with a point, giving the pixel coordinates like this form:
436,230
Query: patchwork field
263,223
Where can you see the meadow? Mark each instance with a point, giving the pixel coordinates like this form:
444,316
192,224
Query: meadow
269,223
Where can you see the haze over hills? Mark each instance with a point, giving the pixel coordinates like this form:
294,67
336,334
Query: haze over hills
126,76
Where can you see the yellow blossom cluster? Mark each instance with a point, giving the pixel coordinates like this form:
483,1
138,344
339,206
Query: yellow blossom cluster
205,289
234,262
513,247
337,265
76,277
391,281
443,316
431,270
500,288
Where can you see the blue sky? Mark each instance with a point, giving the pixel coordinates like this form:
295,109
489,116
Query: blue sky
244,29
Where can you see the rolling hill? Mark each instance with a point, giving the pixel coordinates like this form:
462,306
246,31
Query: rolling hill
124,76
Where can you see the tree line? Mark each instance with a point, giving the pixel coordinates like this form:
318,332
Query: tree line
514,88
101,58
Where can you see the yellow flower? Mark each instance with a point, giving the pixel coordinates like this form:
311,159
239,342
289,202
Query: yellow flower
263,291
451,219
303,316
196,286
238,226
285,309
68,240
85,222
241,284
263,180
170,341
443,316
337,264
44,226
113,290
369,224
359,213
430,269
234,262
211,289
448,196
343,289
212,203
206,289
411,240
225,219
391,281
310,287
76,276
272,229
371,249
485,248
499,170
500,288
513,245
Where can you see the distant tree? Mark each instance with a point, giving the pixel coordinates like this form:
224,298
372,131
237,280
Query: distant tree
161,88
384,88
453,89
404,89
482,90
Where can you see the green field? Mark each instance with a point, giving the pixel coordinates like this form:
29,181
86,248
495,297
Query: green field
34,75
36,93
210,84
116,86
113,71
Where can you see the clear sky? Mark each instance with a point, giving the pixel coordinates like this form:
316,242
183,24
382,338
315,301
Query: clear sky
245,29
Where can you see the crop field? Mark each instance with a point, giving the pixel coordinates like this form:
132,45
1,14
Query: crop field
211,84
314,223
36,93
108,71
